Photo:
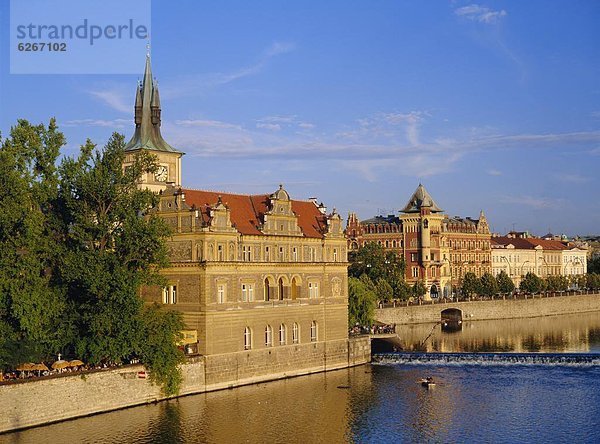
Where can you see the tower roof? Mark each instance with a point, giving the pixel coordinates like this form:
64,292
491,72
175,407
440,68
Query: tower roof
147,117
421,199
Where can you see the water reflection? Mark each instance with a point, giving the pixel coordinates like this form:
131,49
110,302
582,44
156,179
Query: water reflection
563,334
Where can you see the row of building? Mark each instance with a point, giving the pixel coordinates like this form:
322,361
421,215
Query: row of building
438,250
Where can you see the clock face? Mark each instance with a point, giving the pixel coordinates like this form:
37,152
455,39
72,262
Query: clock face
161,173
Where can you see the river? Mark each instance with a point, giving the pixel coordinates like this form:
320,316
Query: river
536,380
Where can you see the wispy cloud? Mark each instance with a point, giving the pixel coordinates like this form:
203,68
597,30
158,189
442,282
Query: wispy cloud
538,203
480,14
277,123
114,99
113,123
207,124
195,84
572,178
494,172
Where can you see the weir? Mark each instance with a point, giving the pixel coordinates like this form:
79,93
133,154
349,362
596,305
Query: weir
566,359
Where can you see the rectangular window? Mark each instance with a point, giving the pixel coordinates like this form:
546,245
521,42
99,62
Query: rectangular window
415,272
335,255
295,254
247,292
220,253
313,331
169,294
414,257
295,333
246,253
313,290
281,254
432,271
267,254
221,293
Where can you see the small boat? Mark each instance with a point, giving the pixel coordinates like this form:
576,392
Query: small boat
427,382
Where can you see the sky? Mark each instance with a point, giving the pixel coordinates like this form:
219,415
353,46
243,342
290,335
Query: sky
492,106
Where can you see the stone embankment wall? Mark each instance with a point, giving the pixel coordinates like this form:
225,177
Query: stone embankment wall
46,400
496,309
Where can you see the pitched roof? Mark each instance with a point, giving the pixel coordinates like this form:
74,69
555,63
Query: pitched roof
247,211
419,199
528,243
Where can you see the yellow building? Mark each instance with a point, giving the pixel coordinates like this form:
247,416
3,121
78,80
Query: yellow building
250,273
519,254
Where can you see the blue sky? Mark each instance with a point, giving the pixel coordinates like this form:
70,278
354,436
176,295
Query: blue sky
493,105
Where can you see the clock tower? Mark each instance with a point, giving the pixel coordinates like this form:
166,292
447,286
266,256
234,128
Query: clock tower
147,136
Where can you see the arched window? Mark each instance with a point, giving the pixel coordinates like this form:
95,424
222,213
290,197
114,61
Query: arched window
267,290
280,289
313,331
247,338
295,333
282,334
268,336
294,289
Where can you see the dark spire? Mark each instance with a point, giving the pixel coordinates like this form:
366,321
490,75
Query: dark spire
420,199
148,117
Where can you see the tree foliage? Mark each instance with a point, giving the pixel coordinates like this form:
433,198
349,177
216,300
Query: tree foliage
593,265
361,301
76,244
532,283
505,283
31,305
418,289
488,286
556,283
470,284
373,261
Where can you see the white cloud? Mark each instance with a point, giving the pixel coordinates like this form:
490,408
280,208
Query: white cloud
195,84
480,14
207,123
538,203
269,126
114,99
494,172
306,125
114,123
572,178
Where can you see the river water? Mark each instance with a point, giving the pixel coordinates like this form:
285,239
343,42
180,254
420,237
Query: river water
534,380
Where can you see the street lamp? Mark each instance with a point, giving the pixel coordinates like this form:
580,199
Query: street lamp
522,266
507,261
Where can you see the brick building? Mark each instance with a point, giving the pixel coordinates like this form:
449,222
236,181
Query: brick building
438,250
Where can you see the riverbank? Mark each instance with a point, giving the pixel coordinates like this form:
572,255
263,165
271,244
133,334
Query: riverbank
499,308
43,401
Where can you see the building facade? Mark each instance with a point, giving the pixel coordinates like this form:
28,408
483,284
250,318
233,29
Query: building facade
250,273
437,250
519,253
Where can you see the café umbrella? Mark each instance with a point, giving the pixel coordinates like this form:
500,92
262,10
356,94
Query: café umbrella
60,364
75,363
26,367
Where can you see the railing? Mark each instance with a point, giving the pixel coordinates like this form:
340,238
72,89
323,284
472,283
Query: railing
496,297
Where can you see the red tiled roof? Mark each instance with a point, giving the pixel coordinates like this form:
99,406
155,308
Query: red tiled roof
528,243
247,211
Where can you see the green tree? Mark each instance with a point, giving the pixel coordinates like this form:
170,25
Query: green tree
372,260
470,284
505,283
111,249
361,302
404,291
532,283
488,286
593,281
161,330
593,265
556,283
32,307
384,290
418,289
